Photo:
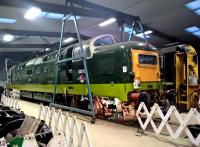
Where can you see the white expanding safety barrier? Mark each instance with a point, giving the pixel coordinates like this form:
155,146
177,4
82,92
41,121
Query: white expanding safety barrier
13,100
165,121
66,130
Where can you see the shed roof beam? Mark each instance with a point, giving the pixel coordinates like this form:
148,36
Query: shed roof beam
86,9
40,33
25,46
55,8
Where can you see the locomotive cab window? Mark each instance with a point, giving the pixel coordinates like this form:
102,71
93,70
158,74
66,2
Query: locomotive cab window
147,59
104,41
45,58
117,40
69,52
29,72
23,65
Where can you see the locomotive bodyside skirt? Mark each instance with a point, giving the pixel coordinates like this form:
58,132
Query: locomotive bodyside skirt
108,90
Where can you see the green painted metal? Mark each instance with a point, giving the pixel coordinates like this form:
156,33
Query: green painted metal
119,90
17,142
119,55
105,71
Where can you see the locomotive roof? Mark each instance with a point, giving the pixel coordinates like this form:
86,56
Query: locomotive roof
137,45
175,48
95,45
167,49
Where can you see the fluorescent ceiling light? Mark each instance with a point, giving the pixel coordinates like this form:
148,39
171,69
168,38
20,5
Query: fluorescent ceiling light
55,15
127,29
42,14
194,5
68,40
141,44
148,32
71,17
8,37
142,36
197,33
7,20
32,13
107,22
192,29
47,49
197,11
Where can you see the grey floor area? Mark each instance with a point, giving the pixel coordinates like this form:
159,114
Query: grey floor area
108,134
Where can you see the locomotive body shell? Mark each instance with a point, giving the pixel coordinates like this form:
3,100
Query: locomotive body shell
112,69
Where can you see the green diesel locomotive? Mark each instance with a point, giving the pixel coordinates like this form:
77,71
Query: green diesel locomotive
115,70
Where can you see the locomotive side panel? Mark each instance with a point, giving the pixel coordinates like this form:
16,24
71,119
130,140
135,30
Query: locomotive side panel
109,67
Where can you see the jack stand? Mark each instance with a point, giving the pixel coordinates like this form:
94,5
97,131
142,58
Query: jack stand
140,131
93,120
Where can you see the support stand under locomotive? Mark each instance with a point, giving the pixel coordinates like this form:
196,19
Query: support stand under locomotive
83,58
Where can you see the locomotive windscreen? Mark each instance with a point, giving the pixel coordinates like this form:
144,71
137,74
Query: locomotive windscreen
147,59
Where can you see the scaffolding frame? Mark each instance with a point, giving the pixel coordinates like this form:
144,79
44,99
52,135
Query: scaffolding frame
83,58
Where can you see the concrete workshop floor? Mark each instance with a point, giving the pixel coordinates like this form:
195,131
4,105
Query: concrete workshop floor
108,134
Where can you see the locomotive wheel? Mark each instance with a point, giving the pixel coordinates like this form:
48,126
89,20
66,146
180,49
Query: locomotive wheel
75,101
